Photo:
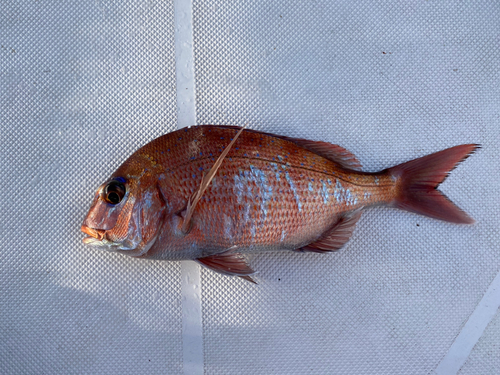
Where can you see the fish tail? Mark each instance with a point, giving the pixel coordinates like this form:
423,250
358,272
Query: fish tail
418,179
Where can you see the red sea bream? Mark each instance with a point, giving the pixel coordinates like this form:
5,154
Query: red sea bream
179,197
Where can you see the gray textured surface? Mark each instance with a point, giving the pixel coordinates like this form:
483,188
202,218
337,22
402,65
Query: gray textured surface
485,357
390,81
82,85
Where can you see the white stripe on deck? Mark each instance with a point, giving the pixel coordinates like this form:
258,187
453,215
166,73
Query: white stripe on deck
472,331
192,329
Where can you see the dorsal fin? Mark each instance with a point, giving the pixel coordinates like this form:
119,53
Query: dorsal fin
335,153
337,236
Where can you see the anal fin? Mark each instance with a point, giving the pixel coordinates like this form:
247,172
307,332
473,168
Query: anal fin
228,263
337,236
248,278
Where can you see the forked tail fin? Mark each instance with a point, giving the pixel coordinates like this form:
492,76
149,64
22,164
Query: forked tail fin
418,181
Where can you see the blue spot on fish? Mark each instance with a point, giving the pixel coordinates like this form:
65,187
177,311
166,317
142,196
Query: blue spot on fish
324,193
275,166
294,190
338,192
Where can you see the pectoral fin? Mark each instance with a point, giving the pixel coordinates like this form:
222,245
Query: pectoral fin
228,263
337,236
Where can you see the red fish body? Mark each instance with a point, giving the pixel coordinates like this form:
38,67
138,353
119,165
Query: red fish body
270,193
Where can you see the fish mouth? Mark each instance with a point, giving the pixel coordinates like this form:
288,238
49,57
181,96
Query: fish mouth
98,239
96,235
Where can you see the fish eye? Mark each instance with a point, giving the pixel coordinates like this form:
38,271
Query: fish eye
114,192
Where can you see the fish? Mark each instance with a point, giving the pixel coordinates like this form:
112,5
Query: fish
214,193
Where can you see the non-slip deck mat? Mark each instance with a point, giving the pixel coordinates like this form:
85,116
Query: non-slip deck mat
390,81
84,84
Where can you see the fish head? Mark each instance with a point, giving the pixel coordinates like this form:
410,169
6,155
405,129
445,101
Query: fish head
126,215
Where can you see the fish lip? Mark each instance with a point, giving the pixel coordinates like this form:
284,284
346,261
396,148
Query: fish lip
95,234
97,238
92,241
